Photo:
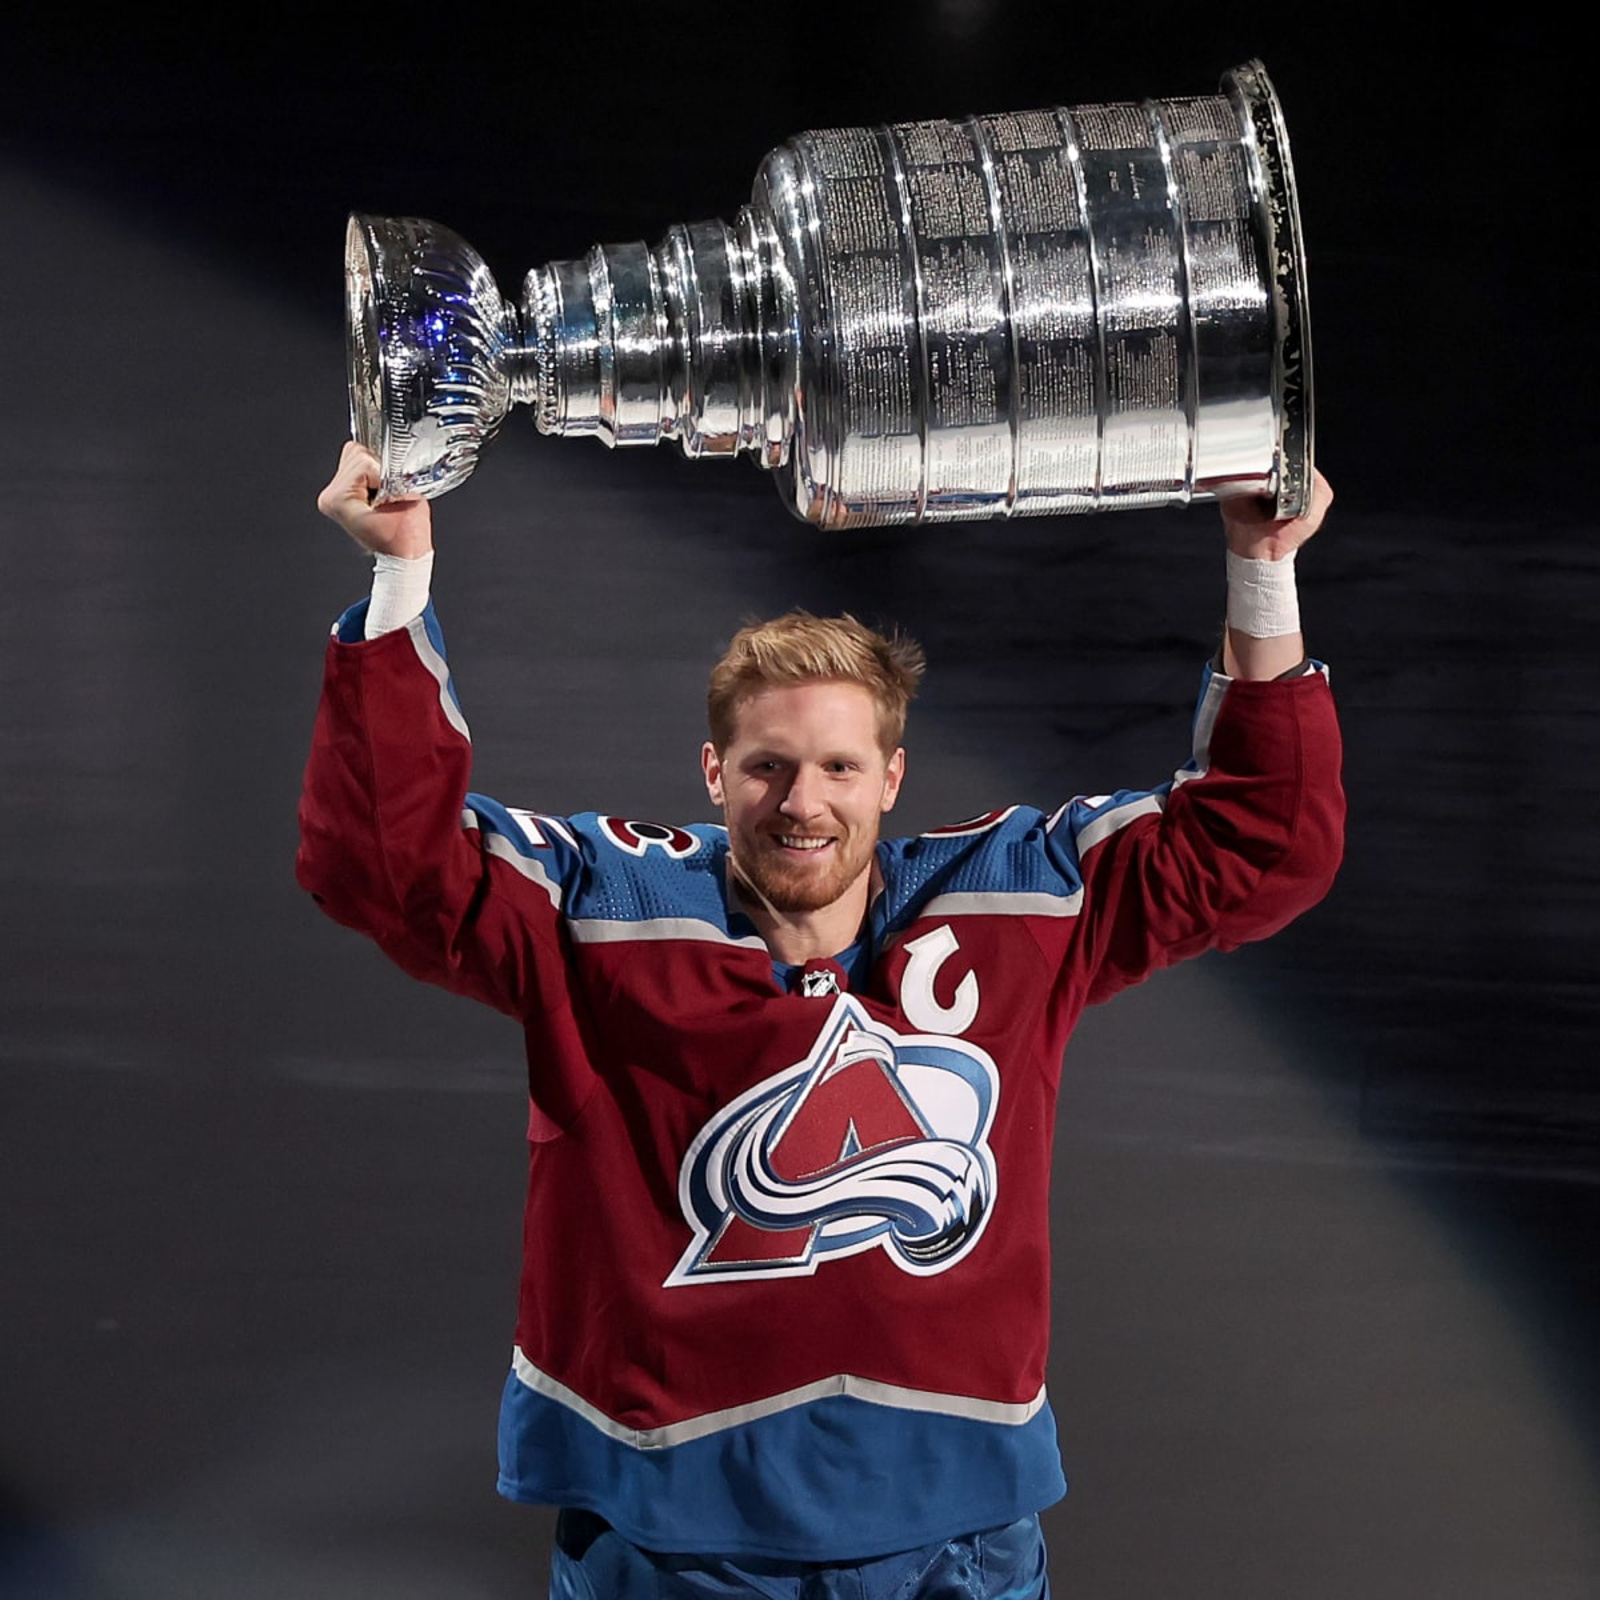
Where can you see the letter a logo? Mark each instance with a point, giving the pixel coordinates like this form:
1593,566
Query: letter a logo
875,1140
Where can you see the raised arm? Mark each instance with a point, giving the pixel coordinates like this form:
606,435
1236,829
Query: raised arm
453,887
1249,832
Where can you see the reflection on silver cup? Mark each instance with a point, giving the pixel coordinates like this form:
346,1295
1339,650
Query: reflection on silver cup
1045,311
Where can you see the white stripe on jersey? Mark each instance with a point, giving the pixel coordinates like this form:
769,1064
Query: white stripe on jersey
1008,1414
436,665
612,930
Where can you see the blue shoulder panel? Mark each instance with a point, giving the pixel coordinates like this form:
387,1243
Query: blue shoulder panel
649,872
612,869
984,864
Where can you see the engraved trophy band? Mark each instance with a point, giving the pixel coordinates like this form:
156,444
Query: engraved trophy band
1072,309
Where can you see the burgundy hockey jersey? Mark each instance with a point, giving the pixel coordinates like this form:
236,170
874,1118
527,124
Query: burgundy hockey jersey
785,1288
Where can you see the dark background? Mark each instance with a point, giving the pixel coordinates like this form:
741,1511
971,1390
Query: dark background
1327,1295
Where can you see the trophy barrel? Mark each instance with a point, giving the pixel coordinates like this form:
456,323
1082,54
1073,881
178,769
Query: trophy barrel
1074,309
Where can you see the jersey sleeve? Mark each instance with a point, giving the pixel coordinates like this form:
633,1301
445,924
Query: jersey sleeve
457,889
1247,835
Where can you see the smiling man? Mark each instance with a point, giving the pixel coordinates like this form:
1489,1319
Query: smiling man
783,1316
804,759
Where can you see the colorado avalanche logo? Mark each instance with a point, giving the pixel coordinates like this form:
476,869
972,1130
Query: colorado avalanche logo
875,1140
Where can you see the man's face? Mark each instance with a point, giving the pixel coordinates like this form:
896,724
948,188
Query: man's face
802,784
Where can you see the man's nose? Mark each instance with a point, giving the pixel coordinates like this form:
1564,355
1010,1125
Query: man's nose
804,796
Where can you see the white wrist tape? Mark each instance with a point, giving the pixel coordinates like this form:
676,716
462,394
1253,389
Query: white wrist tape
1262,599
400,587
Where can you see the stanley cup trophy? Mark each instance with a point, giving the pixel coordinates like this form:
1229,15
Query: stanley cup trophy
1046,311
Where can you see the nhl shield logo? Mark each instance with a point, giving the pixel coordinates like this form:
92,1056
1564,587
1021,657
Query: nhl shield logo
876,1140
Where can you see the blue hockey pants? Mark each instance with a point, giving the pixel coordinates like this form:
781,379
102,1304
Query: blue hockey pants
592,1561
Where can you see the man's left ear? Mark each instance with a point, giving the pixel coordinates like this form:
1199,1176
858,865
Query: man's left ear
893,775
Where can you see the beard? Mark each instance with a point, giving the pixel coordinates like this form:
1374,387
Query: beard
791,887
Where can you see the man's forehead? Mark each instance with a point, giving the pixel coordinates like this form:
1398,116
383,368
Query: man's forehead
827,708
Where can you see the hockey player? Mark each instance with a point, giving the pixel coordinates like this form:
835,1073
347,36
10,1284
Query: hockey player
783,1315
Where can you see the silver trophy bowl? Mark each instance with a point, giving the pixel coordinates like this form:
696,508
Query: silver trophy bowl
1062,310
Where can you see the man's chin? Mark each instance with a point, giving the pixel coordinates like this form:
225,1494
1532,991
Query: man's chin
786,895
797,890
801,900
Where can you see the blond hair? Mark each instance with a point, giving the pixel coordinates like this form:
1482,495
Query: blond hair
800,648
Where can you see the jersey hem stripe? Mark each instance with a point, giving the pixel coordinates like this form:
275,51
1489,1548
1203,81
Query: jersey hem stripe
844,1384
